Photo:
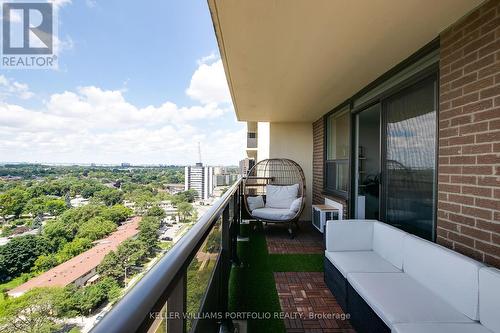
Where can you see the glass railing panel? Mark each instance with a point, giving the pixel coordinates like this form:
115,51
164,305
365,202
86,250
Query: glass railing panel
199,273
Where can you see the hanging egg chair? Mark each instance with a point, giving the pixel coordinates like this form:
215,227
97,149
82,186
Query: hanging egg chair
275,191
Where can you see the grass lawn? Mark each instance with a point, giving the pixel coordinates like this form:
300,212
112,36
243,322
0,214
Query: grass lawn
12,284
252,287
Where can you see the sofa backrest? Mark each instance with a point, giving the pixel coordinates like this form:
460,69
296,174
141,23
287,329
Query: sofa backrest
489,298
388,243
452,276
349,235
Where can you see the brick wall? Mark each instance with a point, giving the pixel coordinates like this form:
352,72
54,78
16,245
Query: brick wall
469,136
318,165
318,143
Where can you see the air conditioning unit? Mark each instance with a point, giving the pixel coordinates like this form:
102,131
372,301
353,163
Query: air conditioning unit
323,213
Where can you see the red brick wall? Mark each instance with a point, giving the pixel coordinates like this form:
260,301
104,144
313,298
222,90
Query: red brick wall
318,160
469,136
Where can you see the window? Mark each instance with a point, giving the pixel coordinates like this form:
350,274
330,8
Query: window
337,153
252,135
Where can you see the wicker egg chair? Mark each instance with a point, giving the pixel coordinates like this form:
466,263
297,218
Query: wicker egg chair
277,172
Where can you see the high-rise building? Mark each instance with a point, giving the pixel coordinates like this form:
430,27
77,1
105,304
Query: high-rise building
245,165
200,179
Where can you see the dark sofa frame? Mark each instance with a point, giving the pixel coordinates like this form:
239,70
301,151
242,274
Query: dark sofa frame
362,316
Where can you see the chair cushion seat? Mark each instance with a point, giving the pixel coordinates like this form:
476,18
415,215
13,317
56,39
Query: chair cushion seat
397,298
274,214
440,328
359,262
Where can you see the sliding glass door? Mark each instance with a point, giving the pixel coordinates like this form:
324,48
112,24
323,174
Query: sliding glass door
409,159
368,163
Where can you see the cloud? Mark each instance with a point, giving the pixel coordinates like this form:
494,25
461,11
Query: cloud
208,84
91,124
208,59
60,3
91,3
11,88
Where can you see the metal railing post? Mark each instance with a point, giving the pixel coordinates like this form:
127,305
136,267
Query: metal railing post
176,306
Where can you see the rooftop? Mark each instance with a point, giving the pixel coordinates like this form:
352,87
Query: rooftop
83,263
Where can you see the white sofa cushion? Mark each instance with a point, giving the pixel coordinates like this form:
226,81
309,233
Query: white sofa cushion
359,261
349,235
275,214
281,196
489,298
440,328
388,243
450,275
295,206
397,298
255,202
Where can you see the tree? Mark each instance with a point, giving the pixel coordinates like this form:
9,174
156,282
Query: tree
83,300
19,255
96,228
55,206
12,202
142,198
186,196
156,211
131,252
33,312
117,213
73,248
185,210
90,188
44,263
111,266
35,206
109,196
148,232
58,233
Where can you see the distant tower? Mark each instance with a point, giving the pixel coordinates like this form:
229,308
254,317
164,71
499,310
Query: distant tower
199,178
199,153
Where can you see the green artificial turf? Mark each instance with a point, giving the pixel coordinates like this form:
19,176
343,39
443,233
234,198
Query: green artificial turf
252,287
296,262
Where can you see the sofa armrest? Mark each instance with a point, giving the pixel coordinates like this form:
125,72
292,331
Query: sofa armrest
349,235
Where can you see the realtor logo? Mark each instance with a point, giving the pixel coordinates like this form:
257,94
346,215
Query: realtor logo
28,34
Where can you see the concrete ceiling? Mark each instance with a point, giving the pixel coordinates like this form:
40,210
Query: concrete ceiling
294,60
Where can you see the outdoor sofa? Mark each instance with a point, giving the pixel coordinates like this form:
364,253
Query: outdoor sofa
391,281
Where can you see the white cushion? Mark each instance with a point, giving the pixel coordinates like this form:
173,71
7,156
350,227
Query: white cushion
359,261
295,206
388,243
489,298
440,328
281,196
349,235
450,275
397,298
275,214
255,202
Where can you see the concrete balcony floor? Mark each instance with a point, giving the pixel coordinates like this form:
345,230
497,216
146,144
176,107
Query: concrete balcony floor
283,278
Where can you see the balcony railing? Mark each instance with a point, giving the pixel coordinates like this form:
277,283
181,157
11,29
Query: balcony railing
191,279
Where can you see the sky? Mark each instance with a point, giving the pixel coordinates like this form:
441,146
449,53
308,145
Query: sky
137,81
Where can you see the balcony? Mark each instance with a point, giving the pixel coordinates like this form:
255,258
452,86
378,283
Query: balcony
211,282
388,136
251,142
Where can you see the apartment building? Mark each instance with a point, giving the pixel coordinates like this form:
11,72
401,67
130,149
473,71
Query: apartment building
199,178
